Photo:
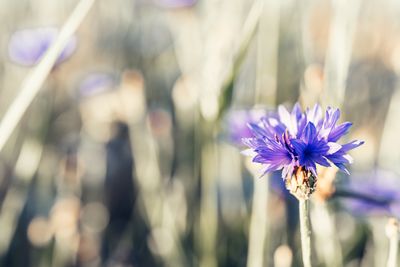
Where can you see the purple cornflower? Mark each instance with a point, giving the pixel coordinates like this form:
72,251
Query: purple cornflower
175,3
295,142
375,193
237,121
27,47
95,83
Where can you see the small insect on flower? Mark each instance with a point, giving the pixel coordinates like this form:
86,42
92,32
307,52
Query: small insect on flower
27,47
295,142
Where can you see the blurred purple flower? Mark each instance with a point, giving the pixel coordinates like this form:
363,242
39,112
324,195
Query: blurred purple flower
297,141
372,193
237,121
96,83
27,47
175,3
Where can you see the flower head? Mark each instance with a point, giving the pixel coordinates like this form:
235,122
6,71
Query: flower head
27,47
296,142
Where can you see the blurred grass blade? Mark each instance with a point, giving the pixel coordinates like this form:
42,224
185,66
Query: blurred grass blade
258,222
157,209
387,156
322,223
265,94
339,51
15,198
267,54
35,79
247,34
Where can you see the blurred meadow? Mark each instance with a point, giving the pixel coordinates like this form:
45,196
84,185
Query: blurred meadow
121,145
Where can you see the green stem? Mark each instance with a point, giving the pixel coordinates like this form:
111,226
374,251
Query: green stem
305,232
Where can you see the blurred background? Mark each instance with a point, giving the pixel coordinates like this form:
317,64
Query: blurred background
129,155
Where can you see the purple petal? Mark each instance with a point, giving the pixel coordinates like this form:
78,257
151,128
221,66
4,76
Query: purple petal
288,170
310,132
314,115
322,161
96,83
287,119
252,142
248,152
298,145
296,112
331,117
27,47
260,159
339,131
257,130
237,124
333,147
340,161
175,3
352,145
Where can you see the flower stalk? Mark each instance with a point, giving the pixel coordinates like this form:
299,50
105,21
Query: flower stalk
302,185
305,231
